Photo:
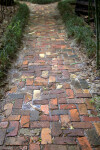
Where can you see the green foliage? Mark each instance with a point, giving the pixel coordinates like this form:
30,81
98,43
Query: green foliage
96,102
77,27
12,38
41,1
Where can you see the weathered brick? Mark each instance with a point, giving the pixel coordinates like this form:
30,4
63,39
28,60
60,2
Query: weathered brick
82,125
73,147
16,141
49,118
28,97
34,146
64,140
55,147
25,121
53,104
16,96
8,109
2,136
68,106
84,143
13,118
52,79
73,132
46,136
83,95
65,120
25,62
3,125
40,81
45,109
62,101
59,112
40,124
56,129
29,81
97,127
88,103
86,118
34,115
93,137
42,102
70,93
75,101
18,103
82,109
13,128
74,115
66,86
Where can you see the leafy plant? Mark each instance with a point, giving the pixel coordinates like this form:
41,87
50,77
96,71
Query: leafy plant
41,1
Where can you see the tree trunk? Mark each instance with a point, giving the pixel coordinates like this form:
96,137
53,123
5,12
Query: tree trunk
7,2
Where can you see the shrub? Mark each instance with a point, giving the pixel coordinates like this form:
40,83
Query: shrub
12,38
77,27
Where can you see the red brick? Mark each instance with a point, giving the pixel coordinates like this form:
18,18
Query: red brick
82,125
13,128
45,109
64,140
69,93
40,124
62,101
40,81
25,121
64,120
29,81
42,102
74,115
75,101
34,146
53,104
16,141
84,143
52,79
56,129
66,74
86,118
67,106
49,118
82,109
13,118
73,132
55,147
46,136
66,86
25,62
83,95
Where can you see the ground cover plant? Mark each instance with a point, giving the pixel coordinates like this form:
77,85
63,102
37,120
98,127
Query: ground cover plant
41,1
12,38
77,27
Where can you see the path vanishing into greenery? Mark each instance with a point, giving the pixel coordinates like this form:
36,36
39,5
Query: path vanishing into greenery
48,107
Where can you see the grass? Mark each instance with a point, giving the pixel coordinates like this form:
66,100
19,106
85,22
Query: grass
12,38
77,27
41,1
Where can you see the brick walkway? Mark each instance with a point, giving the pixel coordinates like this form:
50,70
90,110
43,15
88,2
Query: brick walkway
48,107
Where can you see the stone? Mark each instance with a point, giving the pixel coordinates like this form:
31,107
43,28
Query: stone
36,94
44,74
84,84
28,132
25,121
16,96
34,115
8,109
42,55
46,136
2,136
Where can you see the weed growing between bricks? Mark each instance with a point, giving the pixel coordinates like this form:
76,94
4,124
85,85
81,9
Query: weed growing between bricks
12,38
77,27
